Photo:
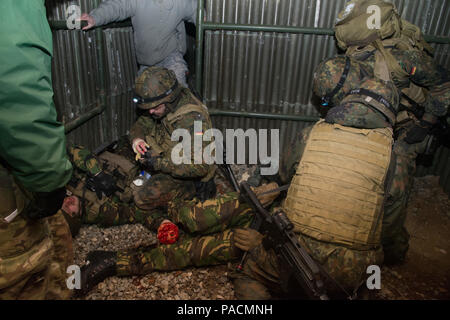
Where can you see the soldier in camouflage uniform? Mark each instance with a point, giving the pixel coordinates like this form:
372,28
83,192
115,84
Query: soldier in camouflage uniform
102,191
35,242
168,107
412,133
399,54
260,277
209,230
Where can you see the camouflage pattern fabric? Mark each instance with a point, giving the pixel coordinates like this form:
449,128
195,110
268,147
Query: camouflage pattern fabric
114,212
144,206
84,160
210,216
161,131
394,235
260,277
291,157
345,109
30,266
353,113
160,189
63,257
424,72
156,82
207,241
329,72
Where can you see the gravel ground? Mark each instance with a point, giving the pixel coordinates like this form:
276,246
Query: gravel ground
213,282
189,284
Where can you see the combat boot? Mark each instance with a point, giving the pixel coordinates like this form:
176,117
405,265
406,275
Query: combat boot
99,266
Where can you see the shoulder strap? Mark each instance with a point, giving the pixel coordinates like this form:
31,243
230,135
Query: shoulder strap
396,71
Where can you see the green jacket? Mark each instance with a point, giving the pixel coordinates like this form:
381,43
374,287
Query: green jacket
32,141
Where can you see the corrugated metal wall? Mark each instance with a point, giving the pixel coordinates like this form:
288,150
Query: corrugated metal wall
244,71
272,72
76,77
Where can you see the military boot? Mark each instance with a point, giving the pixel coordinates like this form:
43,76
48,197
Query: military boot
100,265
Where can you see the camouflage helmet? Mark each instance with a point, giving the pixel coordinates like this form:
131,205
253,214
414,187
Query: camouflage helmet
336,76
155,86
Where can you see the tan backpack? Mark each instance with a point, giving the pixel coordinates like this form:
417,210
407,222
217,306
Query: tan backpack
353,23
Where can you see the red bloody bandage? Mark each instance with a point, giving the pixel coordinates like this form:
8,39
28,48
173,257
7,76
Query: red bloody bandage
168,233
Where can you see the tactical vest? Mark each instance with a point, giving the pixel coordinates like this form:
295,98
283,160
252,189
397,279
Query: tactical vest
337,194
175,116
122,169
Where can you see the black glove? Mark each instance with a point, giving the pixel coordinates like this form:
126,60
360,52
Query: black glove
102,183
205,190
45,204
419,132
149,161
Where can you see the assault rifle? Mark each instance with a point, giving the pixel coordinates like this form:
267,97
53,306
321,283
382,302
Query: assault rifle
297,266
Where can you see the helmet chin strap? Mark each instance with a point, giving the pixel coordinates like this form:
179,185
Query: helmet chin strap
326,100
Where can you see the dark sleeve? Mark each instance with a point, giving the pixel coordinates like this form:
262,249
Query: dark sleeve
425,72
113,11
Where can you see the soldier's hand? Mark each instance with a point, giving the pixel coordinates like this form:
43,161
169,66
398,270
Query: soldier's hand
247,239
140,146
90,21
419,132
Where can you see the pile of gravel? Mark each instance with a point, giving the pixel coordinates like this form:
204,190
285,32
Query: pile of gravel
188,284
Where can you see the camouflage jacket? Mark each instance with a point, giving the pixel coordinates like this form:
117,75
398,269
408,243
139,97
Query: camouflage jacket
159,132
424,72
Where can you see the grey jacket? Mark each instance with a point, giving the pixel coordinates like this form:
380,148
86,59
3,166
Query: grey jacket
158,24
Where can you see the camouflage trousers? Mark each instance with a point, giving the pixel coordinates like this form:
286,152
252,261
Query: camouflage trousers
207,238
34,255
148,208
160,190
260,276
394,236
